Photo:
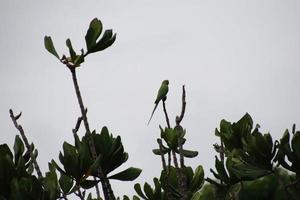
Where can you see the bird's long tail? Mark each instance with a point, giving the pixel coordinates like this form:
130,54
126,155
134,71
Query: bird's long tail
152,113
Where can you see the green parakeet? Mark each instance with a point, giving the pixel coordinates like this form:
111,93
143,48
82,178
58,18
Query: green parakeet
162,93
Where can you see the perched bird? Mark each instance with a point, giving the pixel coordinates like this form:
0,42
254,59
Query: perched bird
161,95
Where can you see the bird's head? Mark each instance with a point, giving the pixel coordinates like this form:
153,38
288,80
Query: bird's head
165,82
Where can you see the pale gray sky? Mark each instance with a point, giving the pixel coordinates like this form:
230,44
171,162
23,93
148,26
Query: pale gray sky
233,56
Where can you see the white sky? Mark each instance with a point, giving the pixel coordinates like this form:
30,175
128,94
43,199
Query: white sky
233,56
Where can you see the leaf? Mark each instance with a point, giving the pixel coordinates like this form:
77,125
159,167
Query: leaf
5,151
70,160
135,198
87,184
198,179
51,184
158,151
65,183
189,154
285,145
221,170
93,33
245,171
71,50
138,190
107,40
148,191
85,159
125,197
127,175
170,137
49,46
157,192
18,148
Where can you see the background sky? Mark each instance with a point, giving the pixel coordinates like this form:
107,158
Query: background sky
233,56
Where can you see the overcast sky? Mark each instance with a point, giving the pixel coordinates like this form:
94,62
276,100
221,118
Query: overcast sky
233,56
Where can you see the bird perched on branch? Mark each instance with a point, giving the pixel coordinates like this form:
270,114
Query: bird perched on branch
161,95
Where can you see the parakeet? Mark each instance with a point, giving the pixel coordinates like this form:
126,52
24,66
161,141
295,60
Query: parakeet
162,93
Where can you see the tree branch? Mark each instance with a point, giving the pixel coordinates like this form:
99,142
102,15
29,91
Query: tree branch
166,114
108,193
179,118
24,138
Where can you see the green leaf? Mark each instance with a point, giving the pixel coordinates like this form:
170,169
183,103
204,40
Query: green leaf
221,170
198,179
135,197
148,191
158,151
107,40
71,50
87,184
5,151
50,184
170,137
85,159
189,154
70,160
65,183
93,33
157,191
18,148
127,175
245,171
125,197
285,145
138,190
49,46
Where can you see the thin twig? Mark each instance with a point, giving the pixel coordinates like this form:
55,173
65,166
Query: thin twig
180,171
24,138
169,159
181,175
179,119
80,102
222,153
166,114
78,123
79,194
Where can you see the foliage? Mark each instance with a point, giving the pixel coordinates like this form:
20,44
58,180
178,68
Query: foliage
249,164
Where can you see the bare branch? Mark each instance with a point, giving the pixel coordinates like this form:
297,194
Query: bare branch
25,140
108,192
179,118
77,126
166,114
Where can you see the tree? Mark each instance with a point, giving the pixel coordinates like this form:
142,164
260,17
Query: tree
248,165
